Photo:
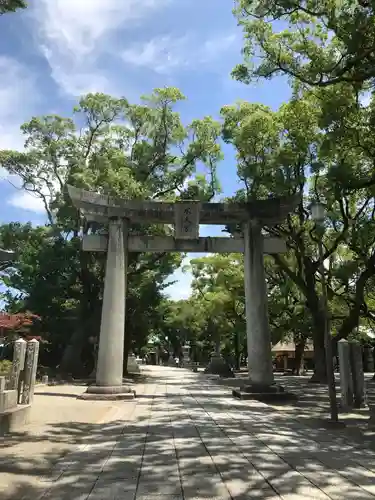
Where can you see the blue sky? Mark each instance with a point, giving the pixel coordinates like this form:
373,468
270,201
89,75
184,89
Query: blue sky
57,50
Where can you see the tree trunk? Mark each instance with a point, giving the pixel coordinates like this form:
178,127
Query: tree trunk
71,360
313,303
298,356
237,353
127,346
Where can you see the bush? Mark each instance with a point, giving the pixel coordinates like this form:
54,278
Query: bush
5,367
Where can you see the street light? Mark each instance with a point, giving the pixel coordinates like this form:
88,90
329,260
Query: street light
318,214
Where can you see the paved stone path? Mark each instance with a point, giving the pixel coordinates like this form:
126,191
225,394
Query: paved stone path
186,438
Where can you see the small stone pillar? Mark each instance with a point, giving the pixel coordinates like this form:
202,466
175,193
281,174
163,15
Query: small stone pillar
171,361
257,325
346,381
368,360
29,376
133,366
218,366
19,353
358,375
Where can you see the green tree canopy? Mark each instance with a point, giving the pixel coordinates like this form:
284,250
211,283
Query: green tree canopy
318,145
11,5
134,151
320,43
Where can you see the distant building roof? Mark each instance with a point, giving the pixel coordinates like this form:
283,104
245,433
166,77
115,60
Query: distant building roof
291,347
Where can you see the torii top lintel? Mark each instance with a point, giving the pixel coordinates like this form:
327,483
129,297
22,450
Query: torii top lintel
6,255
100,207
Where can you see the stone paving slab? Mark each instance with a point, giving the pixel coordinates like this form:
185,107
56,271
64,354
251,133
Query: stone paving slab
186,439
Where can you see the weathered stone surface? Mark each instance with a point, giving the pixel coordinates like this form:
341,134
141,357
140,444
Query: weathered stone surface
14,419
133,366
6,255
270,211
18,363
218,366
257,324
99,243
111,339
29,376
187,220
273,393
113,490
8,400
187,432
107,393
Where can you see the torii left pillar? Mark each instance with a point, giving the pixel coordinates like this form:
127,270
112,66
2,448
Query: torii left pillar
109,370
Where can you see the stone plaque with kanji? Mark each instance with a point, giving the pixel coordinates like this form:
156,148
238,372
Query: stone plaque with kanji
187,220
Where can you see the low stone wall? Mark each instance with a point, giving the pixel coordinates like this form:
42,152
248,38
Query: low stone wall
8,400
14,419
16,394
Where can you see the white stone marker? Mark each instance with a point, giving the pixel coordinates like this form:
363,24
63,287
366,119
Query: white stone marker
18,363
29,376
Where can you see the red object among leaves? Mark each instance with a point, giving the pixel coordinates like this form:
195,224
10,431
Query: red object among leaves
16,321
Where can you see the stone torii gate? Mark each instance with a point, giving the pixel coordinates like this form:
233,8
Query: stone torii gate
186,216
6,255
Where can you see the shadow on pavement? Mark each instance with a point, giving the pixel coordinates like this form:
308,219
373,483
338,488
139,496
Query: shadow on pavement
186,439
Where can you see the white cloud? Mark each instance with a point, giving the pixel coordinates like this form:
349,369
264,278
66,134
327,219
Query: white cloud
18,96
27,201
165,54
366,99
162,54
74,33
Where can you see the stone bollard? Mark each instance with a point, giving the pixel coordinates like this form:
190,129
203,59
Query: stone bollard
346,381
18,363
3,382
368,359
45,379
31,364
371,421
356,361
133,366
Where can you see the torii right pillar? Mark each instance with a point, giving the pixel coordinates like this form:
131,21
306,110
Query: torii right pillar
257,324
261,383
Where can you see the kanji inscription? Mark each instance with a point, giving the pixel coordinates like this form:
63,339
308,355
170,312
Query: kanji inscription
187,220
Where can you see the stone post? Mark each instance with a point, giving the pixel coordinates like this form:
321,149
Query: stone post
19,352
133,366
358,375
257,325
29,377
368,360
109,372
346,380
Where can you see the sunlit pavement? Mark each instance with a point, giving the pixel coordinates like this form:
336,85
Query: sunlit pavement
187,438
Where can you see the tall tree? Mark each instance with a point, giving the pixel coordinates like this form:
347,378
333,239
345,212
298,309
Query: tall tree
311,146
140,151
11,6
319,42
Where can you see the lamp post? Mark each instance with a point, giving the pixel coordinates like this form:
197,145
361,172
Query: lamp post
318,215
